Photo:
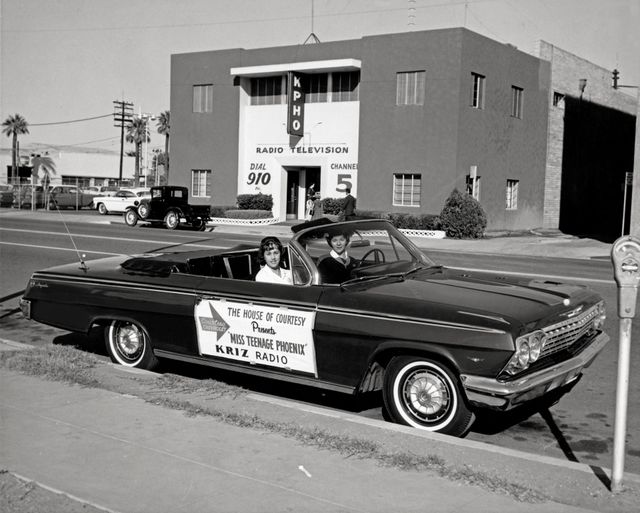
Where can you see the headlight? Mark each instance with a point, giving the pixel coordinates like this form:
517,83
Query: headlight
527,351
522,354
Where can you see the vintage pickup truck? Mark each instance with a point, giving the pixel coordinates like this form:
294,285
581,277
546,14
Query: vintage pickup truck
169,205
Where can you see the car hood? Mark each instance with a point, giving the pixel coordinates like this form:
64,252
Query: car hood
505,299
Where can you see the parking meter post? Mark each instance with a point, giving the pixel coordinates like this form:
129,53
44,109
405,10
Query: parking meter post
625,255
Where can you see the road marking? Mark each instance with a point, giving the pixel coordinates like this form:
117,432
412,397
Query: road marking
60,249
101,237
549,276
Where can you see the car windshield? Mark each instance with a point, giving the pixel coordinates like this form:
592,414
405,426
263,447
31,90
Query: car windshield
376,248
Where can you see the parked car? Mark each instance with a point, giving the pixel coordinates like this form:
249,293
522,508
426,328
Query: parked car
441,344
6,195
25,195
92,189
108,190
68,196
169,204
120,201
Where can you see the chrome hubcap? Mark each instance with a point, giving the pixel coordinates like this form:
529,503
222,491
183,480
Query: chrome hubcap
426,395
130,341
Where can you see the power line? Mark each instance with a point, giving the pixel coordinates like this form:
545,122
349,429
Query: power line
245,21
71,121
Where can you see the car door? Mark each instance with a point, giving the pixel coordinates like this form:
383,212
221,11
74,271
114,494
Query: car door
263,328
58,197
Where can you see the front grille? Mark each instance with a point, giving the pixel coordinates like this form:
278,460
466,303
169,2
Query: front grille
562,335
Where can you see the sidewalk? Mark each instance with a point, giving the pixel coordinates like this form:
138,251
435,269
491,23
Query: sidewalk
118,452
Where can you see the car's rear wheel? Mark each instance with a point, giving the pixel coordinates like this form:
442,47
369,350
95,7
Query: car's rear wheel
102,210
143,210
131,217
128,345
425,394
171,220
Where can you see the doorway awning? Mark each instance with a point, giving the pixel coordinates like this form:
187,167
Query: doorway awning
310,66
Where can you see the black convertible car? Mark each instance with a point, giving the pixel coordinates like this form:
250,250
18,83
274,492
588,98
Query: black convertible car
439,343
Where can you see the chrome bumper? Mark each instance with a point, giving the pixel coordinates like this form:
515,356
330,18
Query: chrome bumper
504,395
25,306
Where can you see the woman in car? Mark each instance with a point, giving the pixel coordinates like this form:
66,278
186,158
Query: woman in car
336,267
270,254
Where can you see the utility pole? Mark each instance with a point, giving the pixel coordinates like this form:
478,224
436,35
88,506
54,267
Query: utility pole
122,116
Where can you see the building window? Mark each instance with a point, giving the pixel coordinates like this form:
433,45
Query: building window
316,87
558,99
477,91
473,187
407,189
267,90
345,86
512,194
201,183
203,98
516,102
410,87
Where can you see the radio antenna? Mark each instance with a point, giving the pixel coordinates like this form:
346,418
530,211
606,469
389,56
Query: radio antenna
83,266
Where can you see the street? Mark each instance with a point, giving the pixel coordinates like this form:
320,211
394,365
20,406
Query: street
578,428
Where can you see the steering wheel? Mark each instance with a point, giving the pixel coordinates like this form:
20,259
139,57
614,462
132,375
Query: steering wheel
378,257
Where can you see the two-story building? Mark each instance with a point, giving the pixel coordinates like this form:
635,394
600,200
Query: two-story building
401,119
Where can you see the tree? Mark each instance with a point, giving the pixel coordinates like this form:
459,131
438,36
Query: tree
48,167
14,126
138,133
163,129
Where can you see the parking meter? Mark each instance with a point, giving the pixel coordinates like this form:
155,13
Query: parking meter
625,255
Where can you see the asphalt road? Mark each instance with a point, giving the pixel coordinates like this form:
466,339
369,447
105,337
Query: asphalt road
578,428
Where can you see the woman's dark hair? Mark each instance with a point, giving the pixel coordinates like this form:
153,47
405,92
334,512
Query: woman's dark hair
345,234
267,244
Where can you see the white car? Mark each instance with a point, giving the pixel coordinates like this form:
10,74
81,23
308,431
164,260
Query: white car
120,201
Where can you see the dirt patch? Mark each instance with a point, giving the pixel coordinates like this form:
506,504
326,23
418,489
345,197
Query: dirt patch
22,496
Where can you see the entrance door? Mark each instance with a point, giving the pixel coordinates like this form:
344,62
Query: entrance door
293,184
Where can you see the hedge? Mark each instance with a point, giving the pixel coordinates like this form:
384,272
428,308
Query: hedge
255,202
248,214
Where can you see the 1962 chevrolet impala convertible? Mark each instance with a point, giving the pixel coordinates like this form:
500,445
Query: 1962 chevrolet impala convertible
440,343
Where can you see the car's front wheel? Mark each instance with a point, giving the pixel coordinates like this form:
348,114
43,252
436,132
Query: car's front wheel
171,220
425,394
102,210
128,345
131,217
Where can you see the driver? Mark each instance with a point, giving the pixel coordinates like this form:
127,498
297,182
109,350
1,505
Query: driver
336,267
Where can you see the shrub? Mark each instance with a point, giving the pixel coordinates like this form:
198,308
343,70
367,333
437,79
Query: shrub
462,217
415,221
220,211
249,214
333,205
255,202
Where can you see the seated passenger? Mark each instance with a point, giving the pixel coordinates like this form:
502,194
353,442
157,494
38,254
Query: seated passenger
269,253
336,267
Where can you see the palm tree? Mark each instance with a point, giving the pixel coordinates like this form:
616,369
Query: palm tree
138,133
48,166
163,129
14,126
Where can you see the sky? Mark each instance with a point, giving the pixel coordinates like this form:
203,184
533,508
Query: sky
63,62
